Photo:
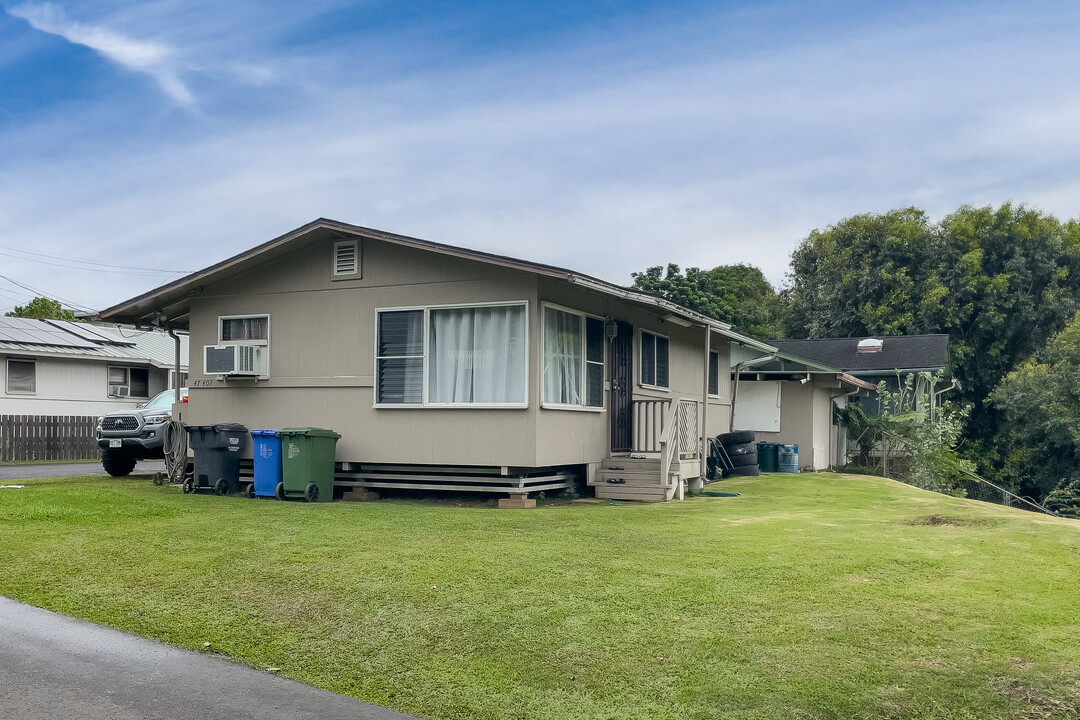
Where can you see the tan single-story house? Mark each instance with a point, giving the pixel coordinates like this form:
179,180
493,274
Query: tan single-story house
788,399
444,367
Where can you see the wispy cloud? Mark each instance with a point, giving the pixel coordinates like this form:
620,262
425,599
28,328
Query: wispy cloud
153,59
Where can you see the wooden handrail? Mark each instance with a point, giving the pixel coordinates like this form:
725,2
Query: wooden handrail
670,444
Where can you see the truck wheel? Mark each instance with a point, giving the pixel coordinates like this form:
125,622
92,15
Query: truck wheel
117,463
311,492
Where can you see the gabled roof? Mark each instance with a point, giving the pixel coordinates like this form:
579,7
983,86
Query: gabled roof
170,303
59,338
904,353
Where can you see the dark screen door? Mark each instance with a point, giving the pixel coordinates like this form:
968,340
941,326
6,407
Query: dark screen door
622,388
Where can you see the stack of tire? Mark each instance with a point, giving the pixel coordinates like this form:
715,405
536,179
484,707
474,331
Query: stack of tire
733,453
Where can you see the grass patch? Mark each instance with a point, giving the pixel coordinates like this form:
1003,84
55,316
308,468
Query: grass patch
810,596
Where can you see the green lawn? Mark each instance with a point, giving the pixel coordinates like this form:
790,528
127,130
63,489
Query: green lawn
811,596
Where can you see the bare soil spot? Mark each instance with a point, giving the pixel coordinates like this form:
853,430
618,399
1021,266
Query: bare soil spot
954,520
1063,701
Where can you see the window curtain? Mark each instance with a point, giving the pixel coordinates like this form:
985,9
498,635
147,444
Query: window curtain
562,357
477,355
22,377
239,329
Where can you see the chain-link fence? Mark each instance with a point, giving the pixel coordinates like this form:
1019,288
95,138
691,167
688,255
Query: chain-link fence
889,456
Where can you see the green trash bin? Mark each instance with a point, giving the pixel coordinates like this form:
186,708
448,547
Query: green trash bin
768,454
307,464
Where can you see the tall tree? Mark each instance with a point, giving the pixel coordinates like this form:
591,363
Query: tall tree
1040,401
42,308
998,281
735,294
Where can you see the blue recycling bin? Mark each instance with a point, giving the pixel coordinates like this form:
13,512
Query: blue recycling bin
789,459
266,457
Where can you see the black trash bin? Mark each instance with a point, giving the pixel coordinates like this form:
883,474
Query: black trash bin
217,457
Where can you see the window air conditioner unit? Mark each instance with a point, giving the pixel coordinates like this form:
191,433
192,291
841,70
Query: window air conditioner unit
232,360
119,391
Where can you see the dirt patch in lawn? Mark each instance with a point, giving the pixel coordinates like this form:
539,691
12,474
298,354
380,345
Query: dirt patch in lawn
954,520
1061,702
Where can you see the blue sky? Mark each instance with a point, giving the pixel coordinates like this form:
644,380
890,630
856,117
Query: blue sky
605,136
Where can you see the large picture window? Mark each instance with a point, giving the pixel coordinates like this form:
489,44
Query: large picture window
573,359
473,355
654,360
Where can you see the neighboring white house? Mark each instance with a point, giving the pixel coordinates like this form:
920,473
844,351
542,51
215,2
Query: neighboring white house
54,367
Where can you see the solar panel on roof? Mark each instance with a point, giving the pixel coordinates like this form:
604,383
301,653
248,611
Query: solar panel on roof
36,332
89,332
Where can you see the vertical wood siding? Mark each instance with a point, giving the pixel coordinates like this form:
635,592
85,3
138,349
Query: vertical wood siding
47,437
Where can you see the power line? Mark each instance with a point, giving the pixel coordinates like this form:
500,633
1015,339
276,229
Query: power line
69,303
98,266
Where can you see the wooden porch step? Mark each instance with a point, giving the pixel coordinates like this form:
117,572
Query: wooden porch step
631,464
628,478
623,492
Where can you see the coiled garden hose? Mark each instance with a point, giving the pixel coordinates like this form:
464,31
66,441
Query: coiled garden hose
176,446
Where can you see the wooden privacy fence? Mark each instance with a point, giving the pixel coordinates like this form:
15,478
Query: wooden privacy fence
47,437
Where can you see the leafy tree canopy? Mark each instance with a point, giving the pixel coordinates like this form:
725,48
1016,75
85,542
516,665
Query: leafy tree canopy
998,281
42,308
1040,400
735,294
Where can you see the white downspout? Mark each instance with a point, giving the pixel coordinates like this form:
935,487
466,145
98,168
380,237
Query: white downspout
705,408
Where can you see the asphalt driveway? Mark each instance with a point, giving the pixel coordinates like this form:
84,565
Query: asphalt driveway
53,666
25,472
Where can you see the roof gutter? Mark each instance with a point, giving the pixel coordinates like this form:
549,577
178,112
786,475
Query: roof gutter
634,296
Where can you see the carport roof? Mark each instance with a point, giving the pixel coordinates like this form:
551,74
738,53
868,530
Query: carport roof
905,353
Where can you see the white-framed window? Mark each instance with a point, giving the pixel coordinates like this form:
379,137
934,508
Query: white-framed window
714,373
21,377
346,260
129,382
172,379
452,355
574,348
244,329
654,360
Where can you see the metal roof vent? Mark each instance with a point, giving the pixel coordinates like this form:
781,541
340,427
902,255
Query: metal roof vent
346,258
869,345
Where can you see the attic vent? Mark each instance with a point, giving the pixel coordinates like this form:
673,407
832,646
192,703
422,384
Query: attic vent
869,345
346,258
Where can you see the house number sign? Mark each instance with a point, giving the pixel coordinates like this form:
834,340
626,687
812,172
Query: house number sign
202,383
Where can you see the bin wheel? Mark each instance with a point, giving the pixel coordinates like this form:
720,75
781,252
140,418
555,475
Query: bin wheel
279,491
221,487
311,492
189,487
249,491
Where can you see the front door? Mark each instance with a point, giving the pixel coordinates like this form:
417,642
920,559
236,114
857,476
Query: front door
622,388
